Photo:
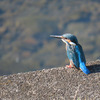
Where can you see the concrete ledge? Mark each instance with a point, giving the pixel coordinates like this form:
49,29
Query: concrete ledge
52,84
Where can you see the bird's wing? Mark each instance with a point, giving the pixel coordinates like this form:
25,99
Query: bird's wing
79,50
81,60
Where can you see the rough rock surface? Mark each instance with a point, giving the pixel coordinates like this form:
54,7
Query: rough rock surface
52,84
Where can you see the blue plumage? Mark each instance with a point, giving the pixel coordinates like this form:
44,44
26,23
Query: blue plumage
81,60
71,37
74,52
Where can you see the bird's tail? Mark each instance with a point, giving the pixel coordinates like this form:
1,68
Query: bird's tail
84,68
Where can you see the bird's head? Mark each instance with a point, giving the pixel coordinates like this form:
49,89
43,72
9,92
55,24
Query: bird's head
70,38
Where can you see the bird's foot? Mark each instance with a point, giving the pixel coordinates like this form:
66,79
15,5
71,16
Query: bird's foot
68,66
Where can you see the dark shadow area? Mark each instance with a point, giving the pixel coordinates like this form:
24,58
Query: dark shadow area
94,68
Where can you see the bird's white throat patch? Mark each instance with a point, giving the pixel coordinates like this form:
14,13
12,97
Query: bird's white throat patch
71,43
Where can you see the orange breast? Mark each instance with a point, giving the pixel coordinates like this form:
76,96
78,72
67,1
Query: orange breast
68,40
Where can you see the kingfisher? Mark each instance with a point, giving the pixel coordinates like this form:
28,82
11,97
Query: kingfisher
74,51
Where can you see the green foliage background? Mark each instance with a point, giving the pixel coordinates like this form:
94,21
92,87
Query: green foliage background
25,26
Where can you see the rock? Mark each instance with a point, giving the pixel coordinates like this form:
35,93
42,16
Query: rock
52,84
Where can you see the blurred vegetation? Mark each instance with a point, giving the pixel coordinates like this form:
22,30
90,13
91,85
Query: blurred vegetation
25,26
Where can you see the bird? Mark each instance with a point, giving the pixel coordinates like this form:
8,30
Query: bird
74,51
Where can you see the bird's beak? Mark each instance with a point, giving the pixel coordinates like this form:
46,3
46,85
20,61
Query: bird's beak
59,37
56,36
65,40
